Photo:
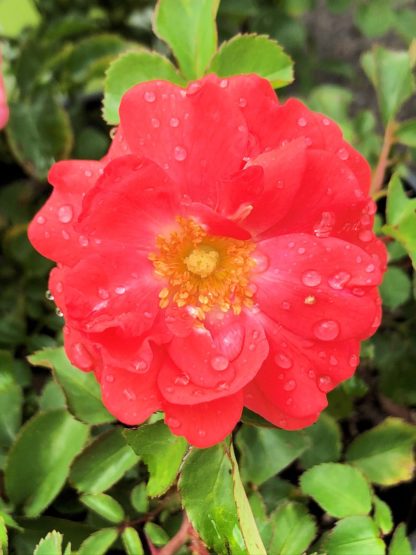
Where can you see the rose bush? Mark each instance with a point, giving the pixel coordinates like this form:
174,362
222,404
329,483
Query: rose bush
220,255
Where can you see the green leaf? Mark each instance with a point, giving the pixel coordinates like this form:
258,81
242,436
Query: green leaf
103,463
11,399
105,506
400,545
385,453
207,475
246,519
375,18
4,540
51,545
139,499
129,70
339,489
406,133
16,15
325,442
396,288
132,542
161,451
254,54
294,529
391,75
265,452
50,441
52,397
99,542
401,217
39,133
354,535
81,388
383,515
189,28
156,534
263,522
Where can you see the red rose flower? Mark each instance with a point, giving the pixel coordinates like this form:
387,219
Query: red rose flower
221,255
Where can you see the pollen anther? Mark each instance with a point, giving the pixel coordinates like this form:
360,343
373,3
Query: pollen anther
203,271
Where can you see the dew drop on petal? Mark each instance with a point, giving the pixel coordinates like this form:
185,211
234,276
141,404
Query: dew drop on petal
49,295
149,96
353,361
182,380
120,290
65,235
174,122
155,123
224,83
324,227
179,153
202,433
109,378
219,363
326,121
333,361
289,385
365,235
302,122
59,286
339,280
370,268
141,366
173,422
80,356
41,220
83,241
59,312
283,361
325,383
242,102
88,173
65,213
129,394
312,278
326,330
343,154
223,386
358,292
261,260
103,294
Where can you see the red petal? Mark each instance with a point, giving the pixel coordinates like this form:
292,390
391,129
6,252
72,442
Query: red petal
179,130
52,230
214,362
318,288
205,424
255,400
129,396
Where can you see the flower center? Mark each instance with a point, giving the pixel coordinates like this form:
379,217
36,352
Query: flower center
203,271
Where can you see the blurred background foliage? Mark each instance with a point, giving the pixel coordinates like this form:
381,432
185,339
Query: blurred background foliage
109,492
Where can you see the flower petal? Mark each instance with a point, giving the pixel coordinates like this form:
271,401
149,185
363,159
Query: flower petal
205,424
318,288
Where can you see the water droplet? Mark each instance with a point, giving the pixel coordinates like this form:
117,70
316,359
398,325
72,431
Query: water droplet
311,374
103,294
343,154
224,83
41,220
148,315
193,88
174,122
223,386
289,401
252,347
179,153
325,383
339,280
333,361
120,290
302,122
83,241
59,313
289,385
88,173
65,213
324,227
169,389
49,295
326,330
358,292
242,102
155,123
173,422
149,96
312,278
129,394
65,235
365,235
283,361
286,305
301,250
353,362
219,363
109,378
370,268
141,365
182,380
261,260
326,121
202,433
81,357
59,287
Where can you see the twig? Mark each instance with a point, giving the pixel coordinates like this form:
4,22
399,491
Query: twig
178,540
380,171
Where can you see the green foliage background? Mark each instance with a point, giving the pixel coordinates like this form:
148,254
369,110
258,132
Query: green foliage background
69,473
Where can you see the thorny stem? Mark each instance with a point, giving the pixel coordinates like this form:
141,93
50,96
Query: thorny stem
380,171
183,535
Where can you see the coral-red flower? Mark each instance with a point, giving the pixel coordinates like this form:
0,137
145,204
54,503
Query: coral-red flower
221,255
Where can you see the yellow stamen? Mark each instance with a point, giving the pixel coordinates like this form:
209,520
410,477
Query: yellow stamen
203,271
